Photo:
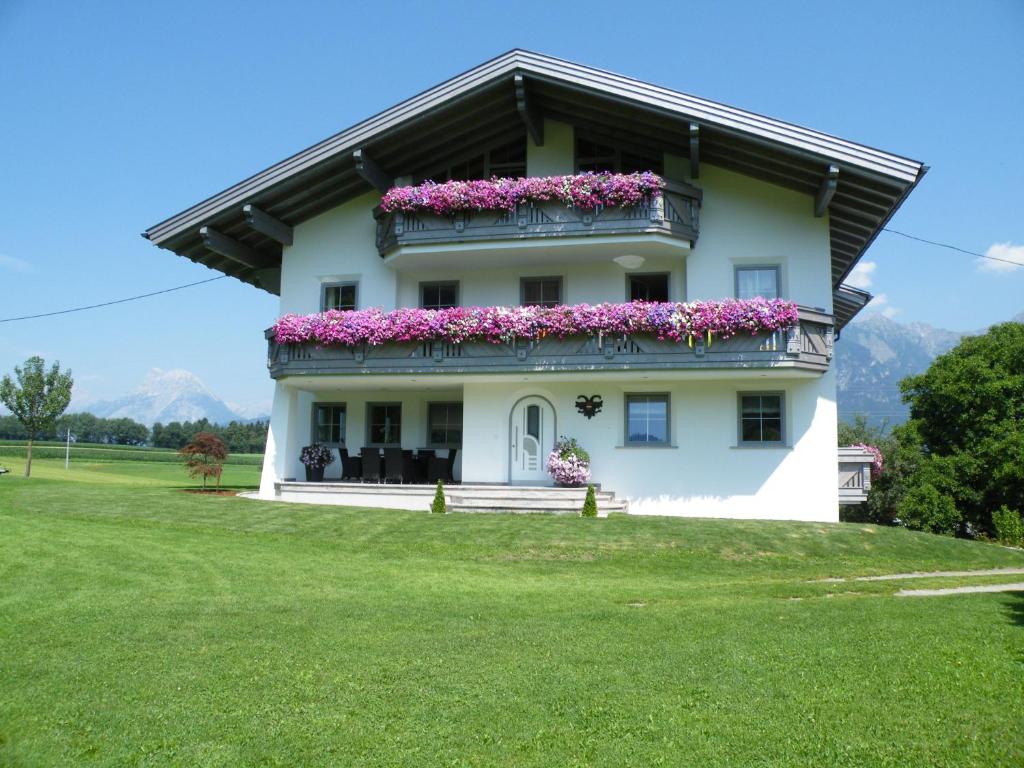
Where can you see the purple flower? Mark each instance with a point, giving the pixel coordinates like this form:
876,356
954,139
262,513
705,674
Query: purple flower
675,321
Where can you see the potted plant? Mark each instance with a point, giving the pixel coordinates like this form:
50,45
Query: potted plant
316,457
568,463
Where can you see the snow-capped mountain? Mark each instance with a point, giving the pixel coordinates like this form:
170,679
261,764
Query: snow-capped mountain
165,396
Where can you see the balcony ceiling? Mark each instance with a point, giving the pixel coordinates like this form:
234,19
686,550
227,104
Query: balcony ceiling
479,107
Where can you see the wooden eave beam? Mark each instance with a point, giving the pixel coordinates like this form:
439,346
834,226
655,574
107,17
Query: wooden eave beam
694,151
826,191
534,123
371,172
234,250
267,225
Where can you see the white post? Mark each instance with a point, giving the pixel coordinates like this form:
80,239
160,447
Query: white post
67,450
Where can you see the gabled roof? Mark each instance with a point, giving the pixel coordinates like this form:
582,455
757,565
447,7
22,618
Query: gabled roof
860,186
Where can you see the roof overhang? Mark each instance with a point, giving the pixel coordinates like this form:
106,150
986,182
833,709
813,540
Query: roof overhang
847,301
860,187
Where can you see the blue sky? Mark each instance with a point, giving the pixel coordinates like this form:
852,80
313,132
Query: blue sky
116,115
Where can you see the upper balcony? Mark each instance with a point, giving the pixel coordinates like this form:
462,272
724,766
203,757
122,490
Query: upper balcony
541,230
804,345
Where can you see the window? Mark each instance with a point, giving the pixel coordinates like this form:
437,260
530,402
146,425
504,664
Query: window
647,287
541,291
439,295
647,419
329,423
384,424
338,296
600,154
508,160
761,418
444,425
757,281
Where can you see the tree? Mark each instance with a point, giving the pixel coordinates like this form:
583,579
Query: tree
204,456
438,506
37,399
589,503
967,420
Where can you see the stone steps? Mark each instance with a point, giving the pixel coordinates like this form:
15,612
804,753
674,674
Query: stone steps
528,499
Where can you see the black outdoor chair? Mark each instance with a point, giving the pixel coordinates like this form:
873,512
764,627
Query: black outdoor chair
423,457
441,468
351,466
393,465
371,464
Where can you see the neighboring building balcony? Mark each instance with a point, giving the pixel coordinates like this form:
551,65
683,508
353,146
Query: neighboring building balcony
538,231
805,346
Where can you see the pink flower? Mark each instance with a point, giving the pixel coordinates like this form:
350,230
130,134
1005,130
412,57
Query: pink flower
675,321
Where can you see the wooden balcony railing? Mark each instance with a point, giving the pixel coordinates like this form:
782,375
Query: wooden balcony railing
807,345
674,214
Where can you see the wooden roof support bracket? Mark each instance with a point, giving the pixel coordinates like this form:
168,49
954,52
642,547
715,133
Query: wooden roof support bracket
694,151
232,249
371,172
826,191
267,225
534,123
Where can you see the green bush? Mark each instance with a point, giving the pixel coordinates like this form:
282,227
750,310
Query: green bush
924,508
589,503
1009,526
439,507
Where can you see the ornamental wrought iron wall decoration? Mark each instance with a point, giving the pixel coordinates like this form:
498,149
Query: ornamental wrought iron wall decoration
589,406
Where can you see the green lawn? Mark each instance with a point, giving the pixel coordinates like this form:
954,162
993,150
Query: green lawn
142,626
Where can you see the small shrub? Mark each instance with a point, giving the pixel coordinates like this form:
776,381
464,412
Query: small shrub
1009,526
439,506
589,503
924,508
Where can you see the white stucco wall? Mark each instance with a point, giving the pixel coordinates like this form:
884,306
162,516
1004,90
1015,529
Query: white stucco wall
703,473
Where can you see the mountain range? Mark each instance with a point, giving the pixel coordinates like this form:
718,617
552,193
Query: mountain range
165,396
875,352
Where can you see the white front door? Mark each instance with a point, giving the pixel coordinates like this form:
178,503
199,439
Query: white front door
532,436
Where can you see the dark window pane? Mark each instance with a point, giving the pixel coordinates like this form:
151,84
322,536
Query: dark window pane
386,424
329,424
761,419
533,421
648,288
445,424
542,292
340,296
439,295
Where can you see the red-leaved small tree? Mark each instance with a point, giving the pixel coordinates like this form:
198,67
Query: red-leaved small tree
204,456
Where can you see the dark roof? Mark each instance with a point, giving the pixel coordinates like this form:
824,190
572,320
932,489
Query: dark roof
479,107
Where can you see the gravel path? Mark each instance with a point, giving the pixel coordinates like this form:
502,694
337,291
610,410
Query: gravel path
1018,587
931,575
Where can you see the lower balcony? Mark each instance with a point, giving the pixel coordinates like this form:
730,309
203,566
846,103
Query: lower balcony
805,346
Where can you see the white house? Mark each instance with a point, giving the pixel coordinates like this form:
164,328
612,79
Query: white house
746,206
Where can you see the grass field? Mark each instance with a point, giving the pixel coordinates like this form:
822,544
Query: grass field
94,452
144,626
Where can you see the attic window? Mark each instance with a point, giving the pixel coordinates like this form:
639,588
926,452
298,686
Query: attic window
597,154
507,160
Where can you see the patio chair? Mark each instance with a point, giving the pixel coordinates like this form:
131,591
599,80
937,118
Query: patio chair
439,468
351,466
371,464
393,465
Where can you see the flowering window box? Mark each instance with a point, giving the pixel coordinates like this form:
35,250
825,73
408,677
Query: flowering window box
637,335
540,207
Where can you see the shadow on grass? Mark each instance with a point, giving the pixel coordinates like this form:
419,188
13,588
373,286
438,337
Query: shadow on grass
1015,607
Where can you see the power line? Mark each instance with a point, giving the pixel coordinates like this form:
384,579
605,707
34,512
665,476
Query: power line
111,303
952,247
221,277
